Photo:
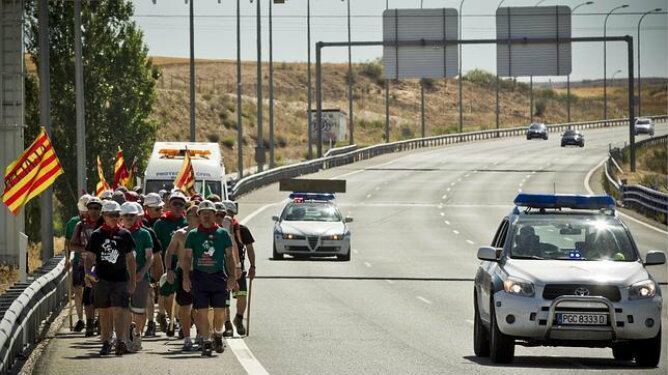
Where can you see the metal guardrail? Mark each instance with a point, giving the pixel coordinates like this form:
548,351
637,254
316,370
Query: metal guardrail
25,307
637,197
252,182
340,150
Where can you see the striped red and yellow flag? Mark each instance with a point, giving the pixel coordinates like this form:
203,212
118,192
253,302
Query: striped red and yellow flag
185,180
120,171
29,175
130,180
102,184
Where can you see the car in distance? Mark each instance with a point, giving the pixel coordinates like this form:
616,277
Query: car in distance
311,225
572,137
644,125
537,130
563,270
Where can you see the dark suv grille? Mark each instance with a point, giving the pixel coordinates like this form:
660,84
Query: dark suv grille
553,291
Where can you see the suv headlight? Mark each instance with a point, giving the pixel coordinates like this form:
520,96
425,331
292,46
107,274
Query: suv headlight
334,237
643,289
290,236
518,287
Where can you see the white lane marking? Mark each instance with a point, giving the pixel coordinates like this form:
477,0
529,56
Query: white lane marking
259,210
469,321
447,222
591,191
367,264
368,196
428,302
528,176
533,172
455,231
452,183
459,179
388,204
448,189
442,213
363,169
470,242
377,188
246,357
355,251
389,281
466,175
521,184
444,196
519,190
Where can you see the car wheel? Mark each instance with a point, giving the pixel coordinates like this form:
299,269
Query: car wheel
623,351
276,255
344,257
563,145
582,144
648,352
528,138
545,138
501,347
480,334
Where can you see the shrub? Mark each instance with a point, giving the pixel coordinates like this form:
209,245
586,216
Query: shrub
540,108
228,142
407,133
373,70
213,137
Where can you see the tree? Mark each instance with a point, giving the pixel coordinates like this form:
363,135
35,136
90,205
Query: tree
119,88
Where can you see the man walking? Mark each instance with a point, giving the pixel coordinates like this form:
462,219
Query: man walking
75,263
153,205
111,250
206,250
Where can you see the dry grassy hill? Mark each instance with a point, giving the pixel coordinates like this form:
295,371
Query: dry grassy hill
216,104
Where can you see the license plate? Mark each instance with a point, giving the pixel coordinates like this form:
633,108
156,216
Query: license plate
582,319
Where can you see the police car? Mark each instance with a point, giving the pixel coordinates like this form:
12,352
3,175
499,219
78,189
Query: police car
311,225
563,270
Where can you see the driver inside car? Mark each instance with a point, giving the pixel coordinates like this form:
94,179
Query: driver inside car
527,243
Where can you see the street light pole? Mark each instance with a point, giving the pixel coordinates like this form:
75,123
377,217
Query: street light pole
639,81
531,83
46,198
568,77
271,88
259,148
497,84
350,82
605,63
240,135
387,97
308,70
461,109
192,71
80,119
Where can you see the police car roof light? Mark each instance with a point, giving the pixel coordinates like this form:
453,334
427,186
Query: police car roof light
573,201
305,196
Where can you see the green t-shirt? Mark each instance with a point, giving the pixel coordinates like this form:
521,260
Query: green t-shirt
165,228
208,249
69,232
143,241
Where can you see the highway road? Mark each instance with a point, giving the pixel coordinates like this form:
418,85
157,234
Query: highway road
403,305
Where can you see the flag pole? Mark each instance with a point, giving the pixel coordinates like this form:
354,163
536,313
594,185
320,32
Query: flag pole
248,308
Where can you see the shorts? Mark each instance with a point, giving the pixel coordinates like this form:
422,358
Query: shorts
183,298
243,287
78,275
209,290
87,297
111,294
139,298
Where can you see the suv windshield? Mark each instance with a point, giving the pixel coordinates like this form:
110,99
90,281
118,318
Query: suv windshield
311,212
590,239
642,122
570,132
536,126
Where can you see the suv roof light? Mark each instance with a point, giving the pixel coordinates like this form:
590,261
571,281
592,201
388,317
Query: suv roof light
574,201
306,196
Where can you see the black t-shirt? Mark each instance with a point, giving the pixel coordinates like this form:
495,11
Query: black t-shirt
110,249
246,239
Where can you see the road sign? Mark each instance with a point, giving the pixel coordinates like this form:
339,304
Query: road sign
533,59
416,61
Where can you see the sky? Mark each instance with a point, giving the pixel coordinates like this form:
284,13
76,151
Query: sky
165,25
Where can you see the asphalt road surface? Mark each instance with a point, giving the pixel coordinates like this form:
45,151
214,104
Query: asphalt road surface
403,304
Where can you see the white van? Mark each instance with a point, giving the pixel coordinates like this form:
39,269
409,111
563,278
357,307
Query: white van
166,161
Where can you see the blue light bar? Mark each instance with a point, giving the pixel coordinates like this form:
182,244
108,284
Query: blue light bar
304,196
582,202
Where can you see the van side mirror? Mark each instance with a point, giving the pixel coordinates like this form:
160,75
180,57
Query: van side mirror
655,258
274,218
488,253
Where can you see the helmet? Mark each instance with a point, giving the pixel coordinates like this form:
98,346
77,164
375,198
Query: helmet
206,205
94,200
153,200
129,208
107,194
110,206
231,207
83,201
177,195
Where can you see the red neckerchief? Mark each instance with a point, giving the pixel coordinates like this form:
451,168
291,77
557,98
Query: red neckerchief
107,228
135,227
149,219
169,215
202,229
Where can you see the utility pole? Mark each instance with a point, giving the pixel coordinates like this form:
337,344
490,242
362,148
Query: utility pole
240,132
80,109
387,97
192,71
259,148
461,108
309,123
271,88
350,82
46,198
605,61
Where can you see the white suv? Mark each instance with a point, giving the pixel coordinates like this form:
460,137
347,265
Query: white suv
563,270
644,125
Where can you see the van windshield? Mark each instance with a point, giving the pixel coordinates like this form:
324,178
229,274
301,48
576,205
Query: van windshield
154,186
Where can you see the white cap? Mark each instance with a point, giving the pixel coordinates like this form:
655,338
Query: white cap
177,195
206,205
107,194
129,208
83,200
94,200
230,207
139,208
110,206
153,200
219,206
